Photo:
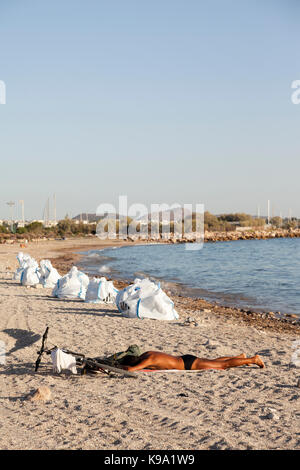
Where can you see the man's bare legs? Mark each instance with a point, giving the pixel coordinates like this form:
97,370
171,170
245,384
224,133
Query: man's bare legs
162,361
225,358
227,363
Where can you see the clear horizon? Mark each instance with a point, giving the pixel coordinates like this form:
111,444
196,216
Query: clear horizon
164,102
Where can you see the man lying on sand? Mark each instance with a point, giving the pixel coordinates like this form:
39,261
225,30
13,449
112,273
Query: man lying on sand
160,361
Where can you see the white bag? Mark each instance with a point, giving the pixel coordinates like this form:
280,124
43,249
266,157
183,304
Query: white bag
71,286
23,260
22,257
100,290
45,268
49,275
31,274
145,299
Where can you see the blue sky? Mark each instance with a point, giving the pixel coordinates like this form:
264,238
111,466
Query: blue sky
162,101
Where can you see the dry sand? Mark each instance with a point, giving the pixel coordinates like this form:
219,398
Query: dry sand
241,408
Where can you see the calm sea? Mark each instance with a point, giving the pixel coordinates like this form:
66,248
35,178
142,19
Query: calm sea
255,274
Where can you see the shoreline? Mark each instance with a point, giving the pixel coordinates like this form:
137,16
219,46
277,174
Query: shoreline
269,320
209,236
68,255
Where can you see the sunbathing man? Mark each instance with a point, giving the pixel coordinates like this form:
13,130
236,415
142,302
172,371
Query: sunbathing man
160,361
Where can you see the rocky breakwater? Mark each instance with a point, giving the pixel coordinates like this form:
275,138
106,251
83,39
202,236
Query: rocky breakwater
251,235
220,236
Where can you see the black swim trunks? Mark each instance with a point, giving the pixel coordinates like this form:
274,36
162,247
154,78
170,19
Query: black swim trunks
188,360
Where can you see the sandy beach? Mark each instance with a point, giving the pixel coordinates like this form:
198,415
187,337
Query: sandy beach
241,408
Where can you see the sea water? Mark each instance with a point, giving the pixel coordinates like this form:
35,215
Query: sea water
254,274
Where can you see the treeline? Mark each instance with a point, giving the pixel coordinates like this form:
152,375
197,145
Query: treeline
65,227
229,222
213,223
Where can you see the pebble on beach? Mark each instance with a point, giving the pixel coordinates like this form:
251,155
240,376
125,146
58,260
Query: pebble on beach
43,394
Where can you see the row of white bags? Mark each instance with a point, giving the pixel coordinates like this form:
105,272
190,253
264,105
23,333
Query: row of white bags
142,299
29,273
75,284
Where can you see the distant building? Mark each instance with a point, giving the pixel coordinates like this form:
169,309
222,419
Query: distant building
243,229
47,224
50,223
84,222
